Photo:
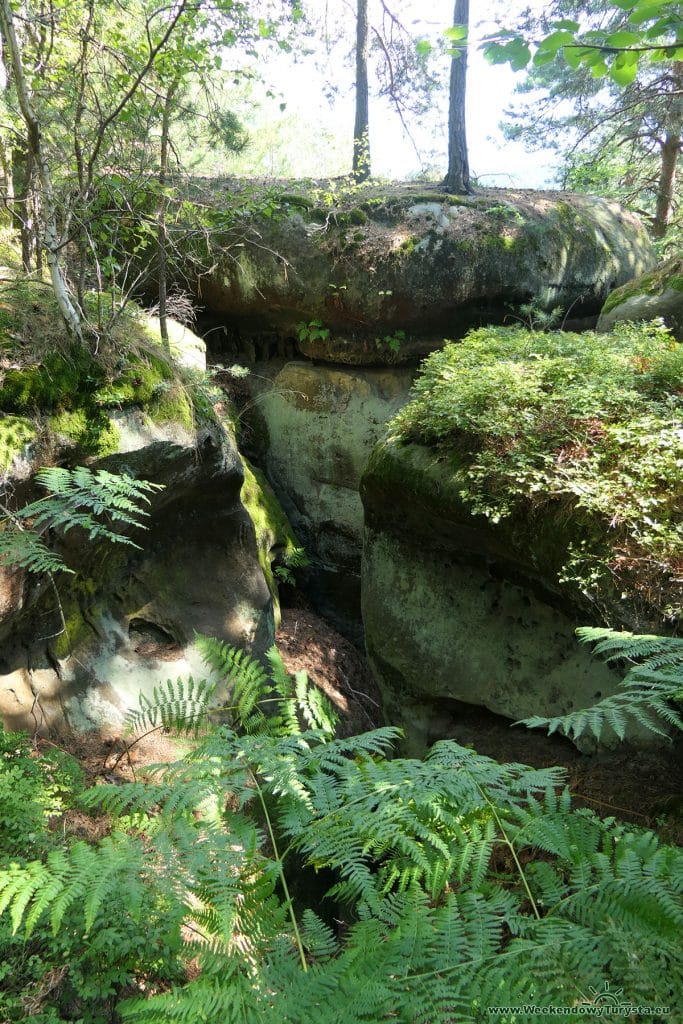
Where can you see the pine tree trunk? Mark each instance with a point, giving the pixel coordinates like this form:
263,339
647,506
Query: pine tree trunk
458,177
162,239
671,147
49,239
361,131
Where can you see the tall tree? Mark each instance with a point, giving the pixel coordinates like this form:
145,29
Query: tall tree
458,175
622,65
361,128
36,148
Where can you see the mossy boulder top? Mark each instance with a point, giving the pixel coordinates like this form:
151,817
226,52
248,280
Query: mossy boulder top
533,484
657,294
564,452
378,275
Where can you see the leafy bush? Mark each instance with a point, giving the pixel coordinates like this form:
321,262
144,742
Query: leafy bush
454,884
586,422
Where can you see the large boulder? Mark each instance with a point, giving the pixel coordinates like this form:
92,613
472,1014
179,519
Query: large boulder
313,428
79,654
655,295
531,486
380,276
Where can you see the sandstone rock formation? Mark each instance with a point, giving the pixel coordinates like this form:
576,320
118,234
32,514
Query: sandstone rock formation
131,614
382,276
657,294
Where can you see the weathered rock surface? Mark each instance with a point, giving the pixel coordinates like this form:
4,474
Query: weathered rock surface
343,275
318,425
652,295
131,614
455,613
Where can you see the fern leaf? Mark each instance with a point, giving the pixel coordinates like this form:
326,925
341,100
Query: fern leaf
182,706
646,692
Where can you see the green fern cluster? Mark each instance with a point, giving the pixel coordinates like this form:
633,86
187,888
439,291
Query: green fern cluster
454,885
648,693
103,504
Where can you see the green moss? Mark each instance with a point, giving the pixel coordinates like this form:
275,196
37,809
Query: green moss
172,405
358,216
274,535
15,433
409,245
569,444
139,382
88,429
76,632
57,382
668,275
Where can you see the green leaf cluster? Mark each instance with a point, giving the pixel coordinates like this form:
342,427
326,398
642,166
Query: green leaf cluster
652,32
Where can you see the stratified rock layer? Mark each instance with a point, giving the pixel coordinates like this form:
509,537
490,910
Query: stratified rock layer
381,276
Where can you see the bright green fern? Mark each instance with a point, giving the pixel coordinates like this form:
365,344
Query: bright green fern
647,694
103,504
454,885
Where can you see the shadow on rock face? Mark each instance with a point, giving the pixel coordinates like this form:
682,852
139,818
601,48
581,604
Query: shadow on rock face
131,613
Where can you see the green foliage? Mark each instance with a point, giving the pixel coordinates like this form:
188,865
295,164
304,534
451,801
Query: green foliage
15,433
652,32
392,341
32,790
294,558
55,383
313,331
566,425
652,683
462,885
103,504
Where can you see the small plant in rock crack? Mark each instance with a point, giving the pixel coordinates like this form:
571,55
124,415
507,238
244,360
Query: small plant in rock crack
296,558
392,341
313,331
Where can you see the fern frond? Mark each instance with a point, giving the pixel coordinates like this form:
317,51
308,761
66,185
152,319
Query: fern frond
85,877
181,707
645,695
25,550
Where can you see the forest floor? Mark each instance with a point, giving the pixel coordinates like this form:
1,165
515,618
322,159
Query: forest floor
638,786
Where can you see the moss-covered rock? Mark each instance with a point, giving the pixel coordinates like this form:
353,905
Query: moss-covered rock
126,620
16,433
277,546
423,262
318,426
656,295
534,484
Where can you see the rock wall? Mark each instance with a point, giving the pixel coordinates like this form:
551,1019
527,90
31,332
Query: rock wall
130,614
316,427
651,296
453,615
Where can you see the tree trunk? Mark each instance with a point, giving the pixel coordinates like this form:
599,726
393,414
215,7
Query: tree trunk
361,131
671,147
458,177
162,241
48,235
